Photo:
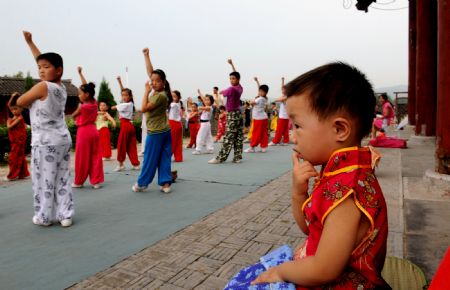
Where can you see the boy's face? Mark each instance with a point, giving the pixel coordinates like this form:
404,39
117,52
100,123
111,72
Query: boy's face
216,91
262,93
103,107
16,111
48,72
234,80
313,138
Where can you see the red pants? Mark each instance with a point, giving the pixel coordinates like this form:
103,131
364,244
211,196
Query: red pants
105,142
177,140
88,156
260,135
221,126
193,130
126,143
18,167
282,131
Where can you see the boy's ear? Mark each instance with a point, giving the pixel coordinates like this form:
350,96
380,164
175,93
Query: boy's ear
342,129
59,71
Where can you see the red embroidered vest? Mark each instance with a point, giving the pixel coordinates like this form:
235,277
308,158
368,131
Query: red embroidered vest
348,174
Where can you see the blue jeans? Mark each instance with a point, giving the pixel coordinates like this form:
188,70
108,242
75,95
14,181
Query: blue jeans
157,155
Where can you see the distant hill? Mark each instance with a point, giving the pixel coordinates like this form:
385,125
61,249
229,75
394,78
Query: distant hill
390,90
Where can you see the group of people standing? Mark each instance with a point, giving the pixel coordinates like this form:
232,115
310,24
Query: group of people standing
162,111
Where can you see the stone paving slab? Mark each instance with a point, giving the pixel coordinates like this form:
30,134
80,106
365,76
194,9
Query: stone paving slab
206,254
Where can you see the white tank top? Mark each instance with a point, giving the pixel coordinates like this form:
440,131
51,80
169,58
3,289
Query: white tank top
48,125
175,112
283,113
259,109
206,116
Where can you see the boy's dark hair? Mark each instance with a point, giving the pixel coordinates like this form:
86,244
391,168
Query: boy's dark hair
195,104
215,88
264,88
88,88
235,74
334,87
222,107
53,58
273,103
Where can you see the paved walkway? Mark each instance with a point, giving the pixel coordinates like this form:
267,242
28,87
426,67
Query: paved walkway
206,254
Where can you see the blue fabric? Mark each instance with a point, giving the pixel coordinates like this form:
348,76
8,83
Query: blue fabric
242,280
157,155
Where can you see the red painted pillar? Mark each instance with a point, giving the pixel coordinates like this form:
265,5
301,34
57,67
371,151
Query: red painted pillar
443,89
426,67
412,63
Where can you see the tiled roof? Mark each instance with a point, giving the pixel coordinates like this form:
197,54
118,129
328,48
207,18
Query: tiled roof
8,85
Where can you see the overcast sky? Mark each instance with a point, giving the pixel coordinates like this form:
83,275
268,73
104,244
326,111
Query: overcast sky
192,39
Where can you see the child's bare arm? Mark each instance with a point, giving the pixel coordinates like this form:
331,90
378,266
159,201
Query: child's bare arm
257,83
11,123
29,40
119,80
80,73
146,105
38,91
148,63
201,95
281,99
282,82
301,173
111,119
77,112
338,240
230,61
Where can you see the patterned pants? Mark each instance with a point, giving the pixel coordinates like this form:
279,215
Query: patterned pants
50,175
234,137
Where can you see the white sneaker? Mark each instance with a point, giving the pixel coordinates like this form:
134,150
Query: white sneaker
66,223
106,158
284,144
250,150
196,152
166,189
96,186
38,223
6,179
263,150
119,168
137,188
76,185
272,144
214,161
210,151
138,167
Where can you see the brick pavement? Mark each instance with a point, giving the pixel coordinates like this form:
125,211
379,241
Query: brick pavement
206,254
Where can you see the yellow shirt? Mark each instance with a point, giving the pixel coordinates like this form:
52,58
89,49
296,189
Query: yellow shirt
101,122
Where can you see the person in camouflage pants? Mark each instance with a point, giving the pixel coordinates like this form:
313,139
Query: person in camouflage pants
234,137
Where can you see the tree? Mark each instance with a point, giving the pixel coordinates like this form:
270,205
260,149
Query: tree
28,82
105,95
19,74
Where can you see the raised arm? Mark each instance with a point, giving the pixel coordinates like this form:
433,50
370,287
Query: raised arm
230,61
148,63
257,82
282,82
204,107
80,73
119,79
77,112
29,40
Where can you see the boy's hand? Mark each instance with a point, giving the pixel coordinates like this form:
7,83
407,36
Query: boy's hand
28,36
256,79
199,93
146,51
270,276
119,78
80,69
301,173
230,61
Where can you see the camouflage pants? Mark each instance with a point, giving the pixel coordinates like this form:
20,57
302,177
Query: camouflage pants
233,138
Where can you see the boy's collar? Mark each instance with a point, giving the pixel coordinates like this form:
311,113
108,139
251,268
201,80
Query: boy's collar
347,159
